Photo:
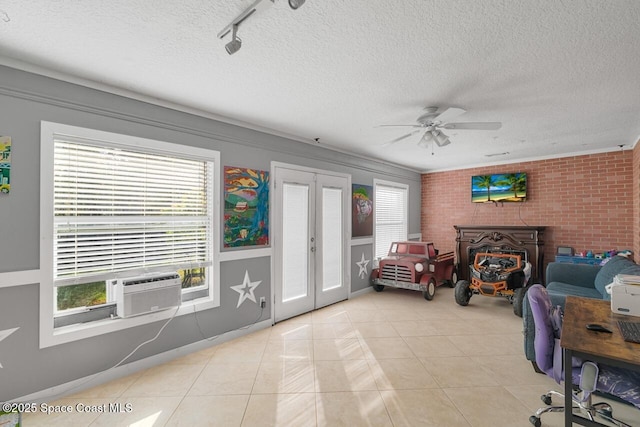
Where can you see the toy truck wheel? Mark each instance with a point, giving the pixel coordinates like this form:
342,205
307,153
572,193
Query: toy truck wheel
462,293
431,290
372,280
518,300
454,278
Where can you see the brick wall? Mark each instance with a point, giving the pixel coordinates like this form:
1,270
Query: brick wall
636,202
586,202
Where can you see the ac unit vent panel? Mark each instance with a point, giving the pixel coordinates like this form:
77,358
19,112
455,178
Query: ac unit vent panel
146,294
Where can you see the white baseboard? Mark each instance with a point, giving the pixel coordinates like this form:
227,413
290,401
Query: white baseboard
75,386
361,292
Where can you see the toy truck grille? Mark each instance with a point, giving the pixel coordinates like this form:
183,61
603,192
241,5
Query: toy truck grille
395,272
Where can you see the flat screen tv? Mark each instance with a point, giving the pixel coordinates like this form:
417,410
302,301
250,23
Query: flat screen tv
503,187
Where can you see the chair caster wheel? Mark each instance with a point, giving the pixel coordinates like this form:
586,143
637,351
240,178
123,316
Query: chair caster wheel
607,413
535,421
546,398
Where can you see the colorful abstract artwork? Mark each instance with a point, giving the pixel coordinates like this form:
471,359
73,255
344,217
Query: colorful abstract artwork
246,207
5,164
362,210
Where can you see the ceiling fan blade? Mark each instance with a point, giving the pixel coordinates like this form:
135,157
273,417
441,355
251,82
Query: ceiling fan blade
449,114
473,125
411,126
393,141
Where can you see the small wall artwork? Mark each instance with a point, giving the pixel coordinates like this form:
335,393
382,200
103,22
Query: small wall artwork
362,210
5,164
246,207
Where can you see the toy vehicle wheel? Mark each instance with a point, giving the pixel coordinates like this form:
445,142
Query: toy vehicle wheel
431,290
518,300
535,421
462,293
378,288
454,278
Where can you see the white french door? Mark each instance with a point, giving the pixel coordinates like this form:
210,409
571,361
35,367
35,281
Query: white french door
311,229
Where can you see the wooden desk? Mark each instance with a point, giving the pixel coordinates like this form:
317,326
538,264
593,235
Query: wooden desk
577,341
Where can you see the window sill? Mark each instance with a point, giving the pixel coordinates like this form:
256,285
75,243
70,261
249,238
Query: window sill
50,337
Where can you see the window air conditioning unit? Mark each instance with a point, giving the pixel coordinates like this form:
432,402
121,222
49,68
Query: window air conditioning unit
146,294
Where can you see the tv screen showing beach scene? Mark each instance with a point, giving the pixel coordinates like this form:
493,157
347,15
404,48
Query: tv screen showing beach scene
504,187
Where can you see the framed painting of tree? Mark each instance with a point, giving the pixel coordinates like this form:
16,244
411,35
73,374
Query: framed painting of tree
246,207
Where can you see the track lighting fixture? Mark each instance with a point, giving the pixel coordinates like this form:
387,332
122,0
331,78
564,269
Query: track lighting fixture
294,4
258,6
235,44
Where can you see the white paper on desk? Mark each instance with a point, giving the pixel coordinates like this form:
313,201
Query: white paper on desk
627,279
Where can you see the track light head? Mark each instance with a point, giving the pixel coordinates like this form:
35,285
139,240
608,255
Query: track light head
235,44
294,4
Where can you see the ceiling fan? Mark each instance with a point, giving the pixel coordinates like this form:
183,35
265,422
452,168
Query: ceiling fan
431,122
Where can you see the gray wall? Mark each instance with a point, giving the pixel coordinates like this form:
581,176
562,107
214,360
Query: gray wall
360,276
25,100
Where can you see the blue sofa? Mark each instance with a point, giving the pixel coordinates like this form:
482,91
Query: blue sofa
582,280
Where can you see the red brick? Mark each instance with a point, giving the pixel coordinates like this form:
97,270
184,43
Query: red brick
590,202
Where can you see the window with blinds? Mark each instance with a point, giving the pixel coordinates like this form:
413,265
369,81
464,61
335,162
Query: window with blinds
120,212
390,215
116,206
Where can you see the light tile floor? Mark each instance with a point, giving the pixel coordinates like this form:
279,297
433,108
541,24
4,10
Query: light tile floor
381,359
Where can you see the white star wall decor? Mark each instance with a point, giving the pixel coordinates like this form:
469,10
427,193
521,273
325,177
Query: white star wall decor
6,333
246,289
363,273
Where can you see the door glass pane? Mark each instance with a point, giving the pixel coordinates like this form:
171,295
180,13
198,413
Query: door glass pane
331,238
295,241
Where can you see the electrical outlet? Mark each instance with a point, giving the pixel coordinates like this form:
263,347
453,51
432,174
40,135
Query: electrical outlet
263,302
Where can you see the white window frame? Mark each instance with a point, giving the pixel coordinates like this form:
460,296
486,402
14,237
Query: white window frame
399,186
51,336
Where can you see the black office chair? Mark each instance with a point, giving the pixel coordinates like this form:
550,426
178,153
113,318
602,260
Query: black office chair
620,383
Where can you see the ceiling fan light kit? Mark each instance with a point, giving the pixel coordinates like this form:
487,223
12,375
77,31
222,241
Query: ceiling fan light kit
426,139
440,138
432,121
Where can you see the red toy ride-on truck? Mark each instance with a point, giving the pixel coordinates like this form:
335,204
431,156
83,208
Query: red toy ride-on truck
416,266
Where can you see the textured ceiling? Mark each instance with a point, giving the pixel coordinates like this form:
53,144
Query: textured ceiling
562,76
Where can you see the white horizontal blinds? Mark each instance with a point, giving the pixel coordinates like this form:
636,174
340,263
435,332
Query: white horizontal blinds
390,216
118,210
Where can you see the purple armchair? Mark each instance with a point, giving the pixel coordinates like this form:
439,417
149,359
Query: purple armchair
591,377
